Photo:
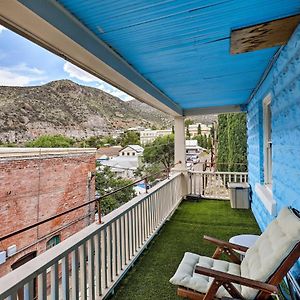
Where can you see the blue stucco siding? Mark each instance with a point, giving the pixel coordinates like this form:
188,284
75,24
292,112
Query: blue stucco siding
283,84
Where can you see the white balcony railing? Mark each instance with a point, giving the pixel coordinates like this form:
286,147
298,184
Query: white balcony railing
89,264
213,185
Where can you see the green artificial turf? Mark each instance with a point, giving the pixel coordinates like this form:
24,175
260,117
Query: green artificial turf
149,278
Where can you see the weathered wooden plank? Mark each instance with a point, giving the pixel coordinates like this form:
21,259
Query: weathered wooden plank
264,35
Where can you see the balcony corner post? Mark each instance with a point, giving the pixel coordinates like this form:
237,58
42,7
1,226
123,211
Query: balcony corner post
180,153
179,144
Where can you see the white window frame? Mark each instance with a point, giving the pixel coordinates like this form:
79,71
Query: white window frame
267,134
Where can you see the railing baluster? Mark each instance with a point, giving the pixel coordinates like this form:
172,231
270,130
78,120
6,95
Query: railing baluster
144,223
42,286
75,281
54,282
91,270
106,262
116,243
121,246
128,227
138,226
103,260
97,242
125,230
65,278
132,232
110,254
82,272
28,290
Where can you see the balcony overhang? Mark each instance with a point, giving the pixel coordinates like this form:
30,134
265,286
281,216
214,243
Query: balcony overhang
174,57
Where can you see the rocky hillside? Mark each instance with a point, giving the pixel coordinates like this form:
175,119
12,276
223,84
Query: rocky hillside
64,107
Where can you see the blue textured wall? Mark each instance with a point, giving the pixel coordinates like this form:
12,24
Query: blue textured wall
283,83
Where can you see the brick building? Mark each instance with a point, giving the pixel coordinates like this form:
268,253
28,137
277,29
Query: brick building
36,184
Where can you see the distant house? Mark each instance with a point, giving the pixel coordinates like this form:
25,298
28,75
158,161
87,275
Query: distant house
132,150
148,136
205,129
105,153
122,166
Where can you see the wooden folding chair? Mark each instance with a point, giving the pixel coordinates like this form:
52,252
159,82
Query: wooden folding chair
256,277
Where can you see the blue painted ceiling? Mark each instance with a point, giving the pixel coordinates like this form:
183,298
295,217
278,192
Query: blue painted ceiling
182,47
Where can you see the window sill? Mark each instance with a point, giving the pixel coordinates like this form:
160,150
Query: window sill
266,197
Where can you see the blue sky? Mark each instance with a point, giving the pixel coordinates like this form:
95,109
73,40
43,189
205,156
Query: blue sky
22,63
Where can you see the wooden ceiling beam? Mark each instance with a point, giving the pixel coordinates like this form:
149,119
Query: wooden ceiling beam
264,35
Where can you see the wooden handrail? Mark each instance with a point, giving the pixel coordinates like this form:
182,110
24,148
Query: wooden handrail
225,243
230,278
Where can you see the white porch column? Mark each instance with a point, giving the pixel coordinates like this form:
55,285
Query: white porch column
179,144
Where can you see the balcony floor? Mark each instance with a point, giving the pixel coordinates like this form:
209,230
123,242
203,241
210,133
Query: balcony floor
149,279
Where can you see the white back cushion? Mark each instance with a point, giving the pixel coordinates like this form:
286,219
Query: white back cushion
270,249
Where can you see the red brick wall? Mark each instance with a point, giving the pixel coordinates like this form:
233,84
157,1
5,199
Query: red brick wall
32,189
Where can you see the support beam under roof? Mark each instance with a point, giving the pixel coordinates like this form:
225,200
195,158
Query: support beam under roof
213,110
47,24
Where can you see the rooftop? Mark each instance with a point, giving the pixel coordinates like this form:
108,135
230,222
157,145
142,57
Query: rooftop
136,148
7,152
149,279
109,151
128,162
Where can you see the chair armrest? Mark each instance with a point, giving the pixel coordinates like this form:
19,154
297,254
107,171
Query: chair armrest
230,278
225,243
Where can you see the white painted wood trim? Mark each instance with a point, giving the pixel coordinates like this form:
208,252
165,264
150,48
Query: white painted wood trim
266,197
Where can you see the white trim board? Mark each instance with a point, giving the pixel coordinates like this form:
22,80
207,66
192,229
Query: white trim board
266,197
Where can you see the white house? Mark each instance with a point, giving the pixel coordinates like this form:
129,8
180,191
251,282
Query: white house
132,150
148,135
123,166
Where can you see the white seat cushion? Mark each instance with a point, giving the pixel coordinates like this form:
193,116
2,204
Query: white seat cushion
186,277
270,249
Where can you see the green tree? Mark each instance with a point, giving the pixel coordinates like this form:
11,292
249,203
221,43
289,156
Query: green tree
209,143
199,140
204,141
232,142
199,129
130,138
51,141
151,171
98,141
106,181
188,122
93,142
212,131
160,152
188,134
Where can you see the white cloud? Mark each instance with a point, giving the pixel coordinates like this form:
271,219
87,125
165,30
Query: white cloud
2,28
75,72
20,75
